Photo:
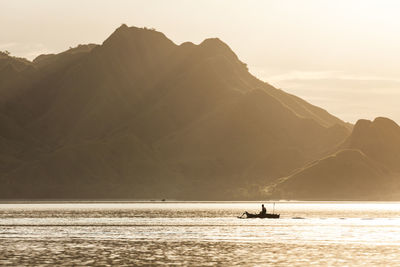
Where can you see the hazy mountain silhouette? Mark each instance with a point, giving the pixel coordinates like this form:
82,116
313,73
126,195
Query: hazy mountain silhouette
141,117
366,167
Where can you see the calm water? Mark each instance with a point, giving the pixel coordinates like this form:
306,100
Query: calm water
308,233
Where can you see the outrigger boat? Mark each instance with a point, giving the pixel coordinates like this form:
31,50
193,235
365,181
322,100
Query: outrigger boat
260,215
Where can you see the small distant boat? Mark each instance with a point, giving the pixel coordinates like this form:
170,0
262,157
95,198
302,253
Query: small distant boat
260,215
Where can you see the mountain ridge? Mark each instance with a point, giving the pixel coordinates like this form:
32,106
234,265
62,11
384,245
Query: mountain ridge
370,156
141,117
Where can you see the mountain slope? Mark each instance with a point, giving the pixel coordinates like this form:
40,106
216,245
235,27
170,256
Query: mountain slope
142,117
366,168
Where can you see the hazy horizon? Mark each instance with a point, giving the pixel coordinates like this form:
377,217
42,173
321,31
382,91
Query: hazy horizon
339,55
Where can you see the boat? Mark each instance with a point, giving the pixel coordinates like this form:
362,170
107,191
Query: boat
260,215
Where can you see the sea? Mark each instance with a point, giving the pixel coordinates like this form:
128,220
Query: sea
199,234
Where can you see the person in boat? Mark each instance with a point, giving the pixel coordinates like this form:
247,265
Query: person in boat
263,210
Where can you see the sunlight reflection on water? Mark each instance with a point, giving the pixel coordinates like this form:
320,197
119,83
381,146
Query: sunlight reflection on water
199,234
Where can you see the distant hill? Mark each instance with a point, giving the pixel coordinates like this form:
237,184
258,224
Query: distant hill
366,168
141,117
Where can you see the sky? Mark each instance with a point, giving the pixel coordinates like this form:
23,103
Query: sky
341,55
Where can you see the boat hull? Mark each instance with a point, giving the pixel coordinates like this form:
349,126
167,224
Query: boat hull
263,216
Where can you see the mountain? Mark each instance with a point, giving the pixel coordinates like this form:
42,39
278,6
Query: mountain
379,139
141,117
365,168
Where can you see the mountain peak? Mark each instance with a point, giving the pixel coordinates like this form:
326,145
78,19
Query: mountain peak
364,126
134,50
135,33
123,26
216,46
384,123
214,42
129,43
379,139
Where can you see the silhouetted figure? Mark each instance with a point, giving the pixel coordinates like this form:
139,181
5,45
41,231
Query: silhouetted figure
263,210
